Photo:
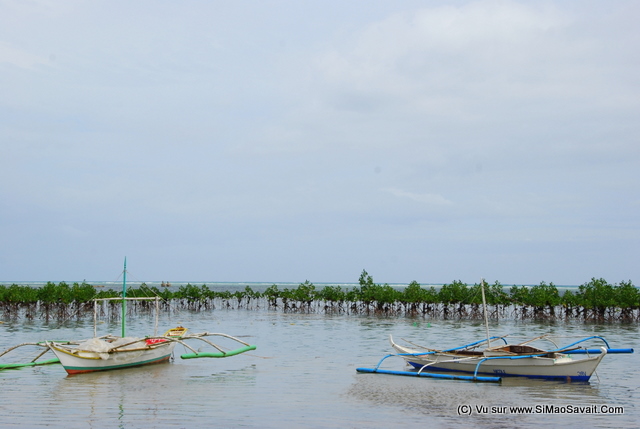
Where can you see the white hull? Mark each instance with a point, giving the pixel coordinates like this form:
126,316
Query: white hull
560,366
111,352
77,361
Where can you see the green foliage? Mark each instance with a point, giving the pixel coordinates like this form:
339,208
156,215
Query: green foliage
596,299
597,294
496,295
544,295
332,294
366,292
272,294
20,295
381,296
82,293
627,296
520,295
385,294
474,295
453,293
251,294
569,299
193,293
305,293
414,293
165,293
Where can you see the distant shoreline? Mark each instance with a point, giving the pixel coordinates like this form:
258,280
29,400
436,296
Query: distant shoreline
219,284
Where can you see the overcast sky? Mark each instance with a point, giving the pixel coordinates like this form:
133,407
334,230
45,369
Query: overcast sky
284,141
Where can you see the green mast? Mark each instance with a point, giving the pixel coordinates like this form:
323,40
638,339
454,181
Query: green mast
124,297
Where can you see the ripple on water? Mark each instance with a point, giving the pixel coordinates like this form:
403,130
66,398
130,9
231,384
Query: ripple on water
303,373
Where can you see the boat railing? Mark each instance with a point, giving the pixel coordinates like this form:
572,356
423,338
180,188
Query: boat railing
583,350
200,336
585,339
475,344
401,354
422,354
32,362
221,352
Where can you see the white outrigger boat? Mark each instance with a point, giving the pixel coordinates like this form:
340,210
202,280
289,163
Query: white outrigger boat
505,360
519,360
110,352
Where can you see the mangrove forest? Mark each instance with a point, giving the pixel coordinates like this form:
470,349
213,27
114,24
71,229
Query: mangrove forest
594,301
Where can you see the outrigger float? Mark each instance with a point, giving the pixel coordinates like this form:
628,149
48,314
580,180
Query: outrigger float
491,364
111,352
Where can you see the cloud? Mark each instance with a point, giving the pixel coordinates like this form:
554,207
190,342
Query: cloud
430,45
13,56
426,198
328,135
479,61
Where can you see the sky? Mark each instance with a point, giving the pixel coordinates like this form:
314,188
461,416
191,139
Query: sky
285,141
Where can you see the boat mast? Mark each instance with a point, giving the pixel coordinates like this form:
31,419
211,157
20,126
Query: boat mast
124,298
484,307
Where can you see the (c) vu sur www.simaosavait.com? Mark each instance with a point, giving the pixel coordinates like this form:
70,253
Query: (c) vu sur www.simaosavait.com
468,409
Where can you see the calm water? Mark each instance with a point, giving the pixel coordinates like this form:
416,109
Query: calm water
303,373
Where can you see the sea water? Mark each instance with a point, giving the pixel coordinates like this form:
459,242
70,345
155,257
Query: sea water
303,373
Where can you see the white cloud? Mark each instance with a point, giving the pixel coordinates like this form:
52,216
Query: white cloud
476,61
423,43
347,130
426,198
11,55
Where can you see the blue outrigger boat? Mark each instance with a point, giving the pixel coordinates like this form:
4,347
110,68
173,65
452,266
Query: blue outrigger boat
505,360
510,360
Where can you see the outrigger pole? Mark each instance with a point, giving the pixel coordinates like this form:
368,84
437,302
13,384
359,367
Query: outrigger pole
124,298
484,308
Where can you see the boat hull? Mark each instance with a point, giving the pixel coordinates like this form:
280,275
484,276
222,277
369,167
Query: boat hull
563,367
79,362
